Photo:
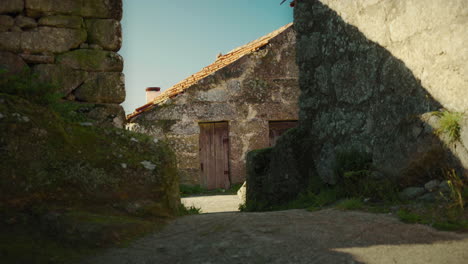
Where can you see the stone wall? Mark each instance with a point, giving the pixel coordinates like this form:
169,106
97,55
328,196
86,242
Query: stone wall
258,88
372,73
71,43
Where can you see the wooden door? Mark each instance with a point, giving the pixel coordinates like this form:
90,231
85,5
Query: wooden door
214,155
277,128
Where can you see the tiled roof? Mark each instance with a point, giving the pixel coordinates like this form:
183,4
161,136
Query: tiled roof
221,62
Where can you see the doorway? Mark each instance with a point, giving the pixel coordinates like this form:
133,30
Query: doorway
214,155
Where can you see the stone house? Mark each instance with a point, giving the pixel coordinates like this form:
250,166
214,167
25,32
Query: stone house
241,102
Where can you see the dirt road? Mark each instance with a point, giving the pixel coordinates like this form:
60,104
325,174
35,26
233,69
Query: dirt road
293,236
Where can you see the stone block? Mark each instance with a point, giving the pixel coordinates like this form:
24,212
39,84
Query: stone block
106,33
25,22
10,41
431,185
106,87
92,60
62,21
11,6
38,59
50,39
37,8
108,115
6,22
85,8
65,77
12,63
102,9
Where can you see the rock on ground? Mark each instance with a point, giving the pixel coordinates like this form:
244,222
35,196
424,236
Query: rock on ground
294,236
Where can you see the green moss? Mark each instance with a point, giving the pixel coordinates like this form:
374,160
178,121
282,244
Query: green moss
350,204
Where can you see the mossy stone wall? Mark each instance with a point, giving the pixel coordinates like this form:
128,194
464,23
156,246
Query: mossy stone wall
71,43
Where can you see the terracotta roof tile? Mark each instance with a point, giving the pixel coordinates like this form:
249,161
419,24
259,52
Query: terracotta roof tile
221,62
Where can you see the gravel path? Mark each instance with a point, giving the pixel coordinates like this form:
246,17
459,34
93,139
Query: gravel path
293,236
214,203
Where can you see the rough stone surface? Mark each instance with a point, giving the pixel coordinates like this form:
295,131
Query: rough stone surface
6,22
85,8
10,41
12,63
293,236
106,33
92,60
105,87
431,185
247,93
464,132
50,39
148,165
411,193
62,21
25,22
368,75
38,59
64,77
11,6
108,115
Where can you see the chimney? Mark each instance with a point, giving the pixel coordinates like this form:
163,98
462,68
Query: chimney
151,93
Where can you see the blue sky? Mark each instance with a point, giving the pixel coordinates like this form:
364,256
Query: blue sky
166,41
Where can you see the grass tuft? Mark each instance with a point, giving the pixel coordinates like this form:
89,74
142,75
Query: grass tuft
350,204
450,125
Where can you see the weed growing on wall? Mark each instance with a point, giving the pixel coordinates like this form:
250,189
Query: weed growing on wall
450,124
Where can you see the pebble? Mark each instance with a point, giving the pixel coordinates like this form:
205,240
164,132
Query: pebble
148,165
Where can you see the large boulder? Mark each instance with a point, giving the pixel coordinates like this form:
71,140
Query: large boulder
62,21
50,39
106,33
11,6
107,87
92,60
66,78
85,8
